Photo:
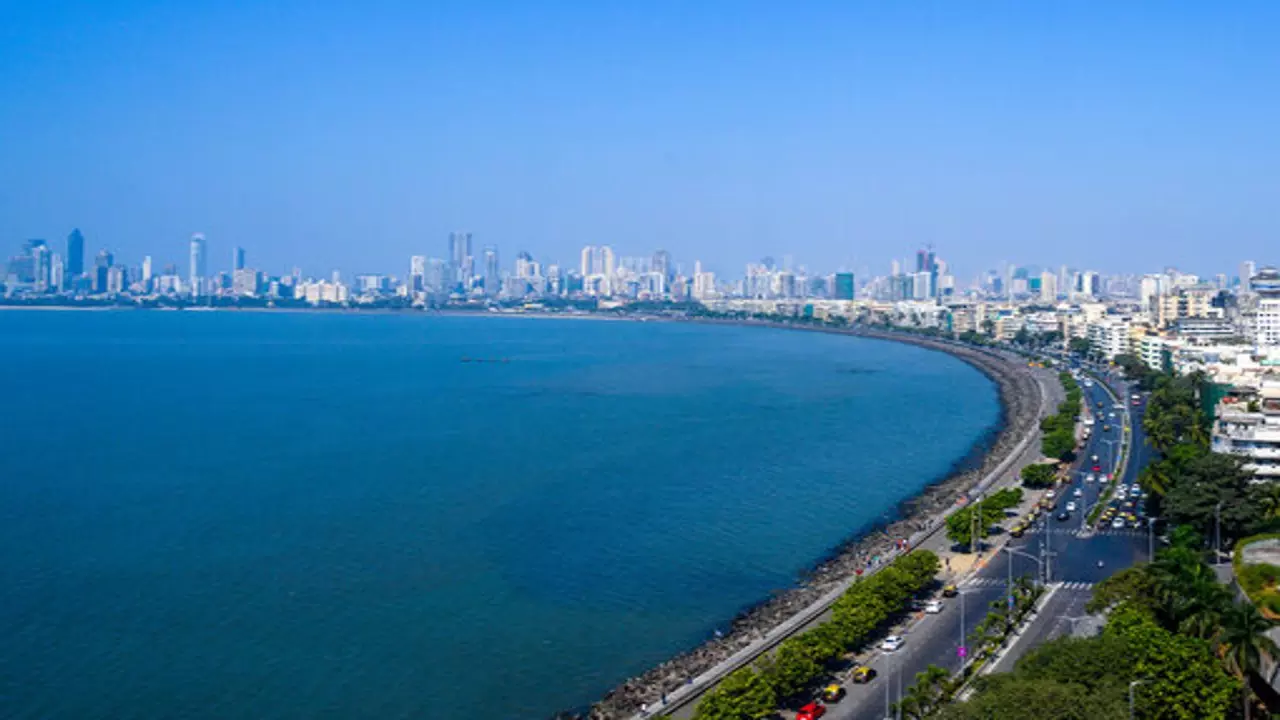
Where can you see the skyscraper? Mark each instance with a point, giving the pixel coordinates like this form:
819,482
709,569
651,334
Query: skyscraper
588,260
460,257
197,273
237,259
417,274
844,286
42,262
75,254
146,274
102,264
662,265
491,277
1247,270
58,274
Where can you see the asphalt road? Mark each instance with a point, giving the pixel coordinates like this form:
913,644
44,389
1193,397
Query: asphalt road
1074,562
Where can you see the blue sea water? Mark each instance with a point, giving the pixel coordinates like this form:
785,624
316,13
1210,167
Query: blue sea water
273,515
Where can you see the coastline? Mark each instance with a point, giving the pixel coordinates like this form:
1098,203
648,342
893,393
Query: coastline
1018,393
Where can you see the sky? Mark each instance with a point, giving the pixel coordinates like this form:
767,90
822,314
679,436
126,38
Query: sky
1119,136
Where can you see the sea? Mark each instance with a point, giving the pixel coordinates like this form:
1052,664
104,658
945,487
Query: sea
344,515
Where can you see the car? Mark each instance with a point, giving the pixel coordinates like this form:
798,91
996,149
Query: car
933,607
1111,415
1063,516
1117,524
1071,507
863,674
1078,492
1018,530
1090,478
1106,428
812,711
950,591
1051,493
833,693
1097,468
892,643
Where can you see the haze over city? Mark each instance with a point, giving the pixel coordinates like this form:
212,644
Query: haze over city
845,135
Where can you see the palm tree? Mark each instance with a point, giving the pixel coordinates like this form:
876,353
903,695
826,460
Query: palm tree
1242,640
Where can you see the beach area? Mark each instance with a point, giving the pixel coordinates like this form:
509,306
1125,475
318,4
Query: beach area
1021,403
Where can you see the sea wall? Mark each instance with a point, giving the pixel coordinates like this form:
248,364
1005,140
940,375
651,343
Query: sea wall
1020,398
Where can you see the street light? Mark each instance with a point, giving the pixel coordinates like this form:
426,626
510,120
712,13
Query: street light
1029,556
1133,684
1217,533
961,650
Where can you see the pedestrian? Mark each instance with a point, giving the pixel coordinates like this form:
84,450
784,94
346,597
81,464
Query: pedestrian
664,698
644,709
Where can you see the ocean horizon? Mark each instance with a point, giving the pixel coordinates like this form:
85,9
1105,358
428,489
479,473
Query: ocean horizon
276,515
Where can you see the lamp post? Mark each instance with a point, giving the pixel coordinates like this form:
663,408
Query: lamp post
1217,533
1133,684
1029,556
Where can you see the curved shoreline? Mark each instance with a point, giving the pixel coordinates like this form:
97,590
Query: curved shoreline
1018,394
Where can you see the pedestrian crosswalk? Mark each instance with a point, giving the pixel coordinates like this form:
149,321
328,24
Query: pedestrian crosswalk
986,582
1077,586
1076,533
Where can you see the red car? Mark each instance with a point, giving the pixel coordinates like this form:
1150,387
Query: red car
1097,468
812,711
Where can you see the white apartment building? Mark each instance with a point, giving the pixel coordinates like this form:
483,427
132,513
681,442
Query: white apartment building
1110,336
1247,423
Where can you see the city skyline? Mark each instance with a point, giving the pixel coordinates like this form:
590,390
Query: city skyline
835,133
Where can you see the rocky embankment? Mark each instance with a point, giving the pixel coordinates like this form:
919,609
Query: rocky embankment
1020,398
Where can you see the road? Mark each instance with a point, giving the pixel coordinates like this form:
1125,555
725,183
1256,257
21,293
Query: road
1073,556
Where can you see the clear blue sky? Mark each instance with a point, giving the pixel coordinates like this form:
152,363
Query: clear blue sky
1121,136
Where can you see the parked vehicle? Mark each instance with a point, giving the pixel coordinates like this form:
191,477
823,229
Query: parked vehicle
833,693
934,607
892,643
950,591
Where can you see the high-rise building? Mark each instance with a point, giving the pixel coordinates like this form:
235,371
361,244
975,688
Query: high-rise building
101,265
197,274
1048,287
117,279
75,254
237,259
1266,284
588,260
460,258
1247,270
417,274
58,274
844,286
491,276
246,282
661,264
42,262
146,274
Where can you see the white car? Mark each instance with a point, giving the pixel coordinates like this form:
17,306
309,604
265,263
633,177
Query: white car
1051,494
1117,524
1071,507
1079,492
933,607
891,643
1089,478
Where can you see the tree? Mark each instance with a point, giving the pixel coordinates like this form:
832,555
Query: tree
1059,444
1133,587
797,663
742,695
1080,346
1038,475
1242,640
928,693
1206,482
1182,679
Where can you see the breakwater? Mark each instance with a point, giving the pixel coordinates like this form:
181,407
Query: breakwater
1020,399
